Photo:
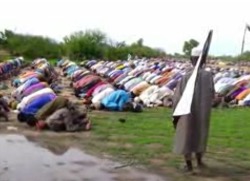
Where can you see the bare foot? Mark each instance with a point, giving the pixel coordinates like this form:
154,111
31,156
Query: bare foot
88,126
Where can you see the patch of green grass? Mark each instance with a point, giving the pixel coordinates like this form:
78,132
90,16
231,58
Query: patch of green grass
52,61
149,135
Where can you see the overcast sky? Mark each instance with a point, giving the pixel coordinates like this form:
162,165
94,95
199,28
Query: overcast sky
161,23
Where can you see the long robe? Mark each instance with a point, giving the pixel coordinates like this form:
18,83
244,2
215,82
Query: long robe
49,108
101,95
38,103
17,92
192,130
26,100
34,88
116,100
66,120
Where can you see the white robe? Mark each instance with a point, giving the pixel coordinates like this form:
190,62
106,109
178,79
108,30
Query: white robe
154,95
98,97
145,95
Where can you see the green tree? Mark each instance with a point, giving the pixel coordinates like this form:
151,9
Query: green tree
89,44
188,46
244,56
140,42
29,46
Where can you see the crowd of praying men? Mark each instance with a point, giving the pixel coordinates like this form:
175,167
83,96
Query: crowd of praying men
37,103
8,69
126,85
105,85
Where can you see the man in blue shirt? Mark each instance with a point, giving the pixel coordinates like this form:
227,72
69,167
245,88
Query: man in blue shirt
116,100
28,113
120,100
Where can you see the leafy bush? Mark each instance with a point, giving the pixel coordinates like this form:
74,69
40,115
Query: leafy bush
91,44
30,46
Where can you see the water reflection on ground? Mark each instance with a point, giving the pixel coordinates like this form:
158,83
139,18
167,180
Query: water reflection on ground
22,160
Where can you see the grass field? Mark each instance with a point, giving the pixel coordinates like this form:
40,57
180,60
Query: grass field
147,138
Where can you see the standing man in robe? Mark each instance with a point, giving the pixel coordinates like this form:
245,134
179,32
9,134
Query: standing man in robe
192,129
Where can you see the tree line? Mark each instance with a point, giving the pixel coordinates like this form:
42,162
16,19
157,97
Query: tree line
90,44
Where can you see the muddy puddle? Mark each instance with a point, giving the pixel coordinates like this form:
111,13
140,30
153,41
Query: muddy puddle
22,160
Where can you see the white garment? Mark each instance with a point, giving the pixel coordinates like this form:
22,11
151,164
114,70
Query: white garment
241,103
247,98
76,72
154,79
132,72
71,63
145,95
161,93
26,99
98,97
39,61
103,70
94,67
145,75
217,77
196,51
150,77
184,105
125,80
244,77
17,92
157,96
222,83
65,63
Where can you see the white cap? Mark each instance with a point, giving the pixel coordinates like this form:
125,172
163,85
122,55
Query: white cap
21,58
137,99
196,52
208,69
241,103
